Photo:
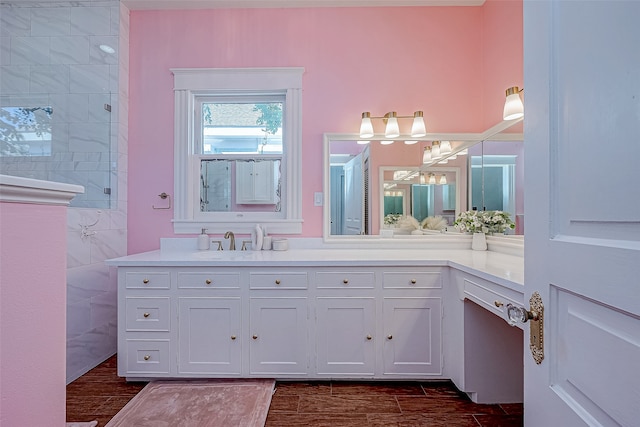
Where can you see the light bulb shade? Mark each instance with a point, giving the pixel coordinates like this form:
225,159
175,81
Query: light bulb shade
435,150
386,142
418,128
513,107
445,147
443,179
423,180
426,155
361,142
432,179
366,127
410,142
392,130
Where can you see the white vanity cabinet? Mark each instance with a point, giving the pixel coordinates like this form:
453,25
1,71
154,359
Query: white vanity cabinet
345,326
278,322
412,322
209,313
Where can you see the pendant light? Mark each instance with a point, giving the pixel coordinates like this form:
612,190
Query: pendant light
513,107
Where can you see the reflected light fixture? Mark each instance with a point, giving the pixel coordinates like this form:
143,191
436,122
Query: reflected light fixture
435,150
513,106
386,142
445,147
432,179
426,155
361,142
392,129
443,179
410,142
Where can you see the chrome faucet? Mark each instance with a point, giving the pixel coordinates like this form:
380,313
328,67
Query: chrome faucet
232,242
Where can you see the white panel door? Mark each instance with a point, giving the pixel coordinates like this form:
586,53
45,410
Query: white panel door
342,350
582,142
209,338
278,336
354,196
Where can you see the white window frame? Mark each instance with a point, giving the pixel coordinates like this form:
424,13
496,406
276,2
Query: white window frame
190,83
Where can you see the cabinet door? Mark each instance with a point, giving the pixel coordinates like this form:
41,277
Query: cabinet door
255,182
345,328
209,339
278,336
412,336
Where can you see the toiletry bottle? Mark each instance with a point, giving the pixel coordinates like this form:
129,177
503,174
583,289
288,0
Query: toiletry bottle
203,240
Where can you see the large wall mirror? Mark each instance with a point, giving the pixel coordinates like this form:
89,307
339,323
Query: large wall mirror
368,185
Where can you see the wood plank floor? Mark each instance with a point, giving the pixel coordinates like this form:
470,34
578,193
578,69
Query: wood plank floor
100,394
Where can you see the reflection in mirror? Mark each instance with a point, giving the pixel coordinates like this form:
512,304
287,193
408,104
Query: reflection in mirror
497,179
240,185
432,192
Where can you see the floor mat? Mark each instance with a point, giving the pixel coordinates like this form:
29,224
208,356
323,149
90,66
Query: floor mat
211,403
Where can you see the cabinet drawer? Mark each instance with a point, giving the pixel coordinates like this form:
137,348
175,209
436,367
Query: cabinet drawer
487,296
209,280
147,314
148,280
345,279
285,280
148,356
412,279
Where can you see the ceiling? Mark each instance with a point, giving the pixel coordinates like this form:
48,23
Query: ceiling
213,4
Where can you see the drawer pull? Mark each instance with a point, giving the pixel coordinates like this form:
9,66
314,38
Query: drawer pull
145,315
277,281
345,281
208,281
146,357
369,337
390,337
233,337
498,303
413,281
145,281
255,337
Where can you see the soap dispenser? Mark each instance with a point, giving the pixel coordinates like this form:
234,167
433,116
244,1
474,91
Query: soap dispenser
203,240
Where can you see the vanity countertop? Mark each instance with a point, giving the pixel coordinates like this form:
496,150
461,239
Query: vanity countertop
506,270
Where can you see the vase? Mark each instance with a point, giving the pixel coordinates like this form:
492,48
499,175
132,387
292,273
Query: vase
479,242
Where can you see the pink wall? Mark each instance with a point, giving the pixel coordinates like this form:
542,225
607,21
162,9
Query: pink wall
355,59
32,315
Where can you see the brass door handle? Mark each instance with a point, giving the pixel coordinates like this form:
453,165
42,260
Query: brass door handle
535,317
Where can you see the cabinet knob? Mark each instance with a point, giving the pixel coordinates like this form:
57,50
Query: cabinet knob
498,303
233,337
146,357
413,281
390,337
145,281
255,337
145,315
277,281
369,337
345,281
208,281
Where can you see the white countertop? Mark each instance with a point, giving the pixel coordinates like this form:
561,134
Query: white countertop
506,270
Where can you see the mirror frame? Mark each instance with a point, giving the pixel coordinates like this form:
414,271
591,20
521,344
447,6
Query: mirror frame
467,139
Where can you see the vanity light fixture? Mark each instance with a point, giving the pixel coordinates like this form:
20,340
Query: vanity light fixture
392,129
432,179
513,106
445,147
423,179
426,155
435,150
443,180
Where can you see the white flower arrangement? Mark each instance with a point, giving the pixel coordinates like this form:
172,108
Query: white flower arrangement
484,222
392,219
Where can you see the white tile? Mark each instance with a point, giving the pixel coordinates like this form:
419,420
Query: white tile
78,316
14,79
104,309
5,50
69,50
30,51
109,244
78,107
50,21
91,20
15,21
89,137
96,110
89,78
49,79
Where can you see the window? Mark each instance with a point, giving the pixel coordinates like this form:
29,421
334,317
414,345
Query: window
238,150
25,131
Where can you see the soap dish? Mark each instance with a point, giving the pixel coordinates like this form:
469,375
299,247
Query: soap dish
279,244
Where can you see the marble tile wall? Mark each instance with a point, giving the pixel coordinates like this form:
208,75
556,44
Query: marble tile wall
49,55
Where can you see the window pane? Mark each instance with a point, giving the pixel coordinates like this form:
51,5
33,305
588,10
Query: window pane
242,128
25,131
